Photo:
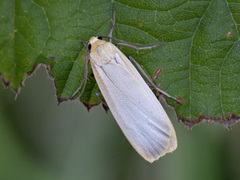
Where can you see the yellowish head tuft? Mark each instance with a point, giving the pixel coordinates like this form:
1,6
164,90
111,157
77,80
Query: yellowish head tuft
95,42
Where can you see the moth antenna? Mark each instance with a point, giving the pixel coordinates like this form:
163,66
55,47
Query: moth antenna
84,81
112,27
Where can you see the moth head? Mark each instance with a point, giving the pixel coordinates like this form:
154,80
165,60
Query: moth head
94,42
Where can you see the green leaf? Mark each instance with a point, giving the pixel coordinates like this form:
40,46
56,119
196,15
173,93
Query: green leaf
200,59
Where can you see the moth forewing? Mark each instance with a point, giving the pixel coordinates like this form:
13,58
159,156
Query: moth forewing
132,103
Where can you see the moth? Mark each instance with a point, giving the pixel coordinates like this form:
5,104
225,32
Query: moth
136,109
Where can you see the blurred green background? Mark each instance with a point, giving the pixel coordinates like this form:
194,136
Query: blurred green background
40,140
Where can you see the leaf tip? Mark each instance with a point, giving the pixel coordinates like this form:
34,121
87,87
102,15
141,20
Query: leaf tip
89,106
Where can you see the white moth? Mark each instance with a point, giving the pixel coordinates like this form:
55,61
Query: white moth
136,109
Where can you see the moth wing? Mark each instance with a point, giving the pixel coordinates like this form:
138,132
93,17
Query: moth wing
135,108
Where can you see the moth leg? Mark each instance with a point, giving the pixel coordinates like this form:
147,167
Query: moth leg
100,99
150,81
112,27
